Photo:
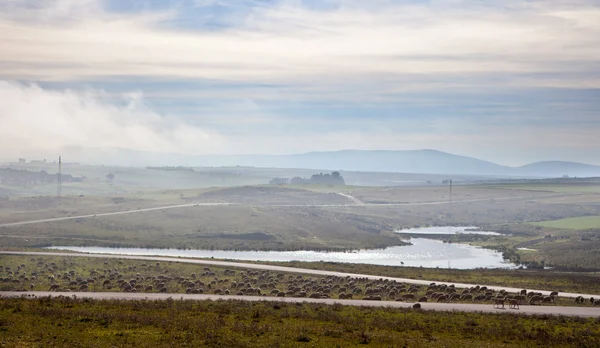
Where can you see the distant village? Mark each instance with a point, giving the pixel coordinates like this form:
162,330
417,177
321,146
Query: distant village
24,177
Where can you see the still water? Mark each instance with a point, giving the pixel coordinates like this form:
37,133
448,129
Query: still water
422,252
447,230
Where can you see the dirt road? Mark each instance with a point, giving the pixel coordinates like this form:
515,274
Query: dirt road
462,307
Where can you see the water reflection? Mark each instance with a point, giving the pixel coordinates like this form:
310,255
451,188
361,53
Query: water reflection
447,230
422,252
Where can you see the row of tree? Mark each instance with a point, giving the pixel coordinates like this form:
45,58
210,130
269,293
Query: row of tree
322,179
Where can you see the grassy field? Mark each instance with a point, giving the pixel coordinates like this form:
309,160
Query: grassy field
558,188
71,322
577,223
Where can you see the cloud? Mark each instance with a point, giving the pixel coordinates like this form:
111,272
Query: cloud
35,122
285,43
333,75
86,124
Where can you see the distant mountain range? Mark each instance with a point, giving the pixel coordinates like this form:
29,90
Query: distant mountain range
408,161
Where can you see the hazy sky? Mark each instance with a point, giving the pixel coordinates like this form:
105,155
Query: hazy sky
507,81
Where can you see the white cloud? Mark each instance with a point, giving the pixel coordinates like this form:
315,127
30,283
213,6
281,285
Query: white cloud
35,122
294,45
358,51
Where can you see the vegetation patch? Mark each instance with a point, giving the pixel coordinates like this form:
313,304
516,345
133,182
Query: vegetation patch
576,223
67,321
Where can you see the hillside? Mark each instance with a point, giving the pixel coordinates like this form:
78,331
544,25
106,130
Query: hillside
405,161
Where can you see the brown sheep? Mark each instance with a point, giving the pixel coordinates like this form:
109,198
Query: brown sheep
499,303
416,306
514,304
423,299
535,299
442,298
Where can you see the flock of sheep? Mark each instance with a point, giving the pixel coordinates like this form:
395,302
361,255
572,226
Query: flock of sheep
152,277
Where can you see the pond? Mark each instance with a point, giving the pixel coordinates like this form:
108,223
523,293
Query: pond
447,230
422,252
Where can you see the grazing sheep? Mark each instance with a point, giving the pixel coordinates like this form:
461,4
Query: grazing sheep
514,304
548,299
423,299
442,298
535,299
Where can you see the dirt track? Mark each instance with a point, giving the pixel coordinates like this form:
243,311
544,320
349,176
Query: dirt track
531,310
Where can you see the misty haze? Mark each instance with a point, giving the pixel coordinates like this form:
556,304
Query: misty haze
269,173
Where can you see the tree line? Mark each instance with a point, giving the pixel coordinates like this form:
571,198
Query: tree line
335,178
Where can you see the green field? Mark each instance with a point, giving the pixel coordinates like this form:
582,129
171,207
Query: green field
558,188
577,223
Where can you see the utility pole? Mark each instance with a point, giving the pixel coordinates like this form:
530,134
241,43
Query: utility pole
59,177
449,209
450,195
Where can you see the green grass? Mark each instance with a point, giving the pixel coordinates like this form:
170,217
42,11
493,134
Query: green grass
72,322
577,223
558,188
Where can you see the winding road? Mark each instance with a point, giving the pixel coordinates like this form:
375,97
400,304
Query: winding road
357,203
462,307
65,218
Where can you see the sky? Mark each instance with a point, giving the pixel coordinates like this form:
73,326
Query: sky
511,82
